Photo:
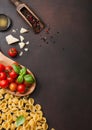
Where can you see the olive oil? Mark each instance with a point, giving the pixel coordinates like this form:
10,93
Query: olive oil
5,22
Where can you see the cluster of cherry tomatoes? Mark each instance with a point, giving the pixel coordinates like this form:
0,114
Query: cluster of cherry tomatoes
8,79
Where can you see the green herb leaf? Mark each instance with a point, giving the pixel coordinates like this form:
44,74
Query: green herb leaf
20,79
23,71
20,120
16,68
29,78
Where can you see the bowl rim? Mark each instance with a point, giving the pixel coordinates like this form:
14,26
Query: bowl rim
9,21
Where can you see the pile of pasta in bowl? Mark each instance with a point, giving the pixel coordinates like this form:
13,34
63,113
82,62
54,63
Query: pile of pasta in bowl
18,113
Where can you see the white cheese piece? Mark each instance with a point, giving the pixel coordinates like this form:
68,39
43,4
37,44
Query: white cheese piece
23,30
25,49
11,39
14,31
21,53
27,42
21,38
21,44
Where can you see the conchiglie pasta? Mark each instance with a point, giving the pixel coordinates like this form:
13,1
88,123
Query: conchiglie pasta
4,117
7,96
2,91
39,128
1,97
40,113
3,106
15,100
37,107
11,107
43,120
31,101
45,126
1,121
39,123
6,125
9,101
52,129
20,103
12,126
36,117
5,110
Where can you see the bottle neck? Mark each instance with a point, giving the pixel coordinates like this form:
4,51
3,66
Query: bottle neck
16,2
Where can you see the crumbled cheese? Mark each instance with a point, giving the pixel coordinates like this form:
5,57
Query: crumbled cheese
21,44
25,49
27,42
21,38
21,53
23,30
11,39
14,31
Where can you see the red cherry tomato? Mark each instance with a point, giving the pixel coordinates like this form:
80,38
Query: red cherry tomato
27,84
8,68
13,74
13,86
21,88
12,52
4,83
2,67
10,80
2,75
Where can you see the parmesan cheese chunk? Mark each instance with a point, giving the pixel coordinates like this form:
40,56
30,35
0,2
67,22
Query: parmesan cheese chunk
11,39
25,49
21,53
23,30
27,43
21,44
14,31
21,38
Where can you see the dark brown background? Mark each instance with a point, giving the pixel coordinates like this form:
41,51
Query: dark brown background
63,67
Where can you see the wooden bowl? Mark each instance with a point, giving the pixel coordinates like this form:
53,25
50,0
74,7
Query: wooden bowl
7,61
